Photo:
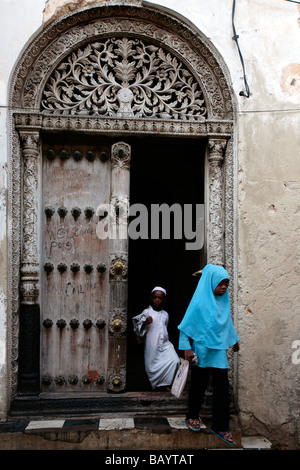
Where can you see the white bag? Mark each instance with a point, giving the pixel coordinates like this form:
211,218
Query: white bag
180,378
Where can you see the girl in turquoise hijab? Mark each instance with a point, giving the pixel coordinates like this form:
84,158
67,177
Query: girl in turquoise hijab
207,324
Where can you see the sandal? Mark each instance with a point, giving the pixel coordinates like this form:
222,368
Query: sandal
225,436
194,424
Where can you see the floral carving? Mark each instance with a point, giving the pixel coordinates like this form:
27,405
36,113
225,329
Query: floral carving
126,78
116,380
120,155
118,266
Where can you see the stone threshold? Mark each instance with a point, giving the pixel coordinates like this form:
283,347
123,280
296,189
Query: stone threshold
47,404
134,433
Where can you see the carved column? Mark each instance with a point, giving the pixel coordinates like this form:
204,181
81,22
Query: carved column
118,270
29,337
215,245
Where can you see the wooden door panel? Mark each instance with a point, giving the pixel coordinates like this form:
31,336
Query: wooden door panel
75,284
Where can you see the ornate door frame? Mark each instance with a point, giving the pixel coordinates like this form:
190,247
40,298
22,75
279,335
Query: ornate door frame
208,113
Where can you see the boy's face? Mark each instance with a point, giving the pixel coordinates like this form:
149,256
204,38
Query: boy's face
157,299
222,287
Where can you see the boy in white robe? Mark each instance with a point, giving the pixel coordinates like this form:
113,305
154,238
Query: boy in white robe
161,359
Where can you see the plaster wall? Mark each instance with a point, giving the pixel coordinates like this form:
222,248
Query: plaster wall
267,190
19,21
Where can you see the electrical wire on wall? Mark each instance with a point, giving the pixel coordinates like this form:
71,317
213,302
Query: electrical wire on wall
235,38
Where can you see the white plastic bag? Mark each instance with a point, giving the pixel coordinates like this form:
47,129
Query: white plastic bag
180,378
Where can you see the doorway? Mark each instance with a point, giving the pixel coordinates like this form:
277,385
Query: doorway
183,157
162,172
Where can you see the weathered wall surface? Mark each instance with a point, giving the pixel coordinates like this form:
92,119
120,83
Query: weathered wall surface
19,21
268,273
267,196
269,222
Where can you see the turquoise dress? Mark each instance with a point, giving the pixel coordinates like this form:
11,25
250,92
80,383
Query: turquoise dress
206,357
207,321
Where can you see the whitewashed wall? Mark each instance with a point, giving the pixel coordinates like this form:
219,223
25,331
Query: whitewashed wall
267,198
20,19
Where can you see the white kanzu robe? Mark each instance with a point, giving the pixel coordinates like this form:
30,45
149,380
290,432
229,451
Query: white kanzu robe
161,359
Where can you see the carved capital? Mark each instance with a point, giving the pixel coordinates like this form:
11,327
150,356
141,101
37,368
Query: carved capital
30,143
216,149
29,283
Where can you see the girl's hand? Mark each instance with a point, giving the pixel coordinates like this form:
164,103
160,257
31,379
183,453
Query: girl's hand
236,347
189,354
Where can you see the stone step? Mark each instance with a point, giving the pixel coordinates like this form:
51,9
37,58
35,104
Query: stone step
141,433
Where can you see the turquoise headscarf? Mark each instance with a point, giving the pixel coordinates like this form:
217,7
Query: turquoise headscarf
208,318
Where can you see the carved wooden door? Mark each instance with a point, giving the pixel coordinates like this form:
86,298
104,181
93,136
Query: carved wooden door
84,278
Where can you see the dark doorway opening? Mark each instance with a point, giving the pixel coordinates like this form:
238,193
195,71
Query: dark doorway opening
162,172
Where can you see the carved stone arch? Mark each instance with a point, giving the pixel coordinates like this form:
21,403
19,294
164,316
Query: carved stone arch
154,30
62,37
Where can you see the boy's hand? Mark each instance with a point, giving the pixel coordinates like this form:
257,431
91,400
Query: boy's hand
148,320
